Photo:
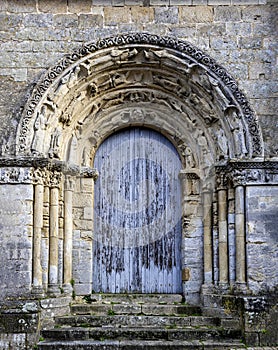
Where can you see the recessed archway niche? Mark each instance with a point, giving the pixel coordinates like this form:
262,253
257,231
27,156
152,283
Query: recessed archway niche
139,80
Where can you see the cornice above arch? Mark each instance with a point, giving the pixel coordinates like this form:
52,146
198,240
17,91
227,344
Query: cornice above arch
129,52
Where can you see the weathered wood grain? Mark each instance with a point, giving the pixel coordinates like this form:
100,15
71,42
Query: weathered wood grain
137,230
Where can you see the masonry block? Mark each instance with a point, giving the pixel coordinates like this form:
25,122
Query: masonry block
159,2
90,20
227,14
142,14
166,15
59,6
180,2
83,6
102,3
23,6
219,2
134,2
198,14
113,17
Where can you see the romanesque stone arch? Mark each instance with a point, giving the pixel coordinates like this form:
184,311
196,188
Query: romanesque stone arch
79,94
160,83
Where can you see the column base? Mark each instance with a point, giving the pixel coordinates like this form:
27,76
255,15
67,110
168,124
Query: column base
208,288
38,291
67,289
54,290
241,288
224,287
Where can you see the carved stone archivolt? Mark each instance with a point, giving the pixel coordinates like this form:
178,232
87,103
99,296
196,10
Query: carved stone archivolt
72,107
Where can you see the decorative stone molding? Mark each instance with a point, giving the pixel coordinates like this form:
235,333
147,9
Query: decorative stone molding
53,178
40,170
133,49
89,172
15,175
250,173
221,180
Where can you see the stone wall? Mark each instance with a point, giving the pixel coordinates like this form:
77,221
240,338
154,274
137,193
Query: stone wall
16,210
261,237
35,34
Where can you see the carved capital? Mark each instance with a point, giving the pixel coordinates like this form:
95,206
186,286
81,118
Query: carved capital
221,180
238,177
53,178
89,172
38,176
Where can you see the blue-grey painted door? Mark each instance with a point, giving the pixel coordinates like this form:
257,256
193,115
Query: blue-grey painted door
137,214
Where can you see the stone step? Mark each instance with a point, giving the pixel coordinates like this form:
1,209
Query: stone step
136,321
142,333
134,308
140,345
134,298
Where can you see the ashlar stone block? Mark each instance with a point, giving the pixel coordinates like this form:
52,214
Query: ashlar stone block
227,14
166,15
159,2
58,6
21,6
90,20
114,17
142,14
180,2
79,6
198,14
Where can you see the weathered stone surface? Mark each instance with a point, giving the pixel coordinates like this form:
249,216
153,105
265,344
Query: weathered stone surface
166,15
112,17
227,14
261,236
142,14
198,14
83,6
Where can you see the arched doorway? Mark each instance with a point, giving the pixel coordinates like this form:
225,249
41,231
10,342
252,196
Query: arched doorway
140,80
137,218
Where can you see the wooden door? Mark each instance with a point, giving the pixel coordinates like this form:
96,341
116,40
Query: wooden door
137,216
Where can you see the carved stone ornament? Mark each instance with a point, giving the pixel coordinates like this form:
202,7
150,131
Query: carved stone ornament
53,178
221,180
250,173
89,172
15,175
130,50
69,183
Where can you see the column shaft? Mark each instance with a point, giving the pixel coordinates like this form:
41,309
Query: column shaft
38,224
223,236
207,237
68,227
53,240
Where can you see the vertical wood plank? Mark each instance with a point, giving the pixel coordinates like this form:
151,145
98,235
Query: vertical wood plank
137,232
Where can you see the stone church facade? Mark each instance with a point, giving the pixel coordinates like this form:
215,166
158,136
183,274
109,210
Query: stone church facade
200,74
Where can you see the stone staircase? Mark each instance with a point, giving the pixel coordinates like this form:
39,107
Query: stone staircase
137,321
